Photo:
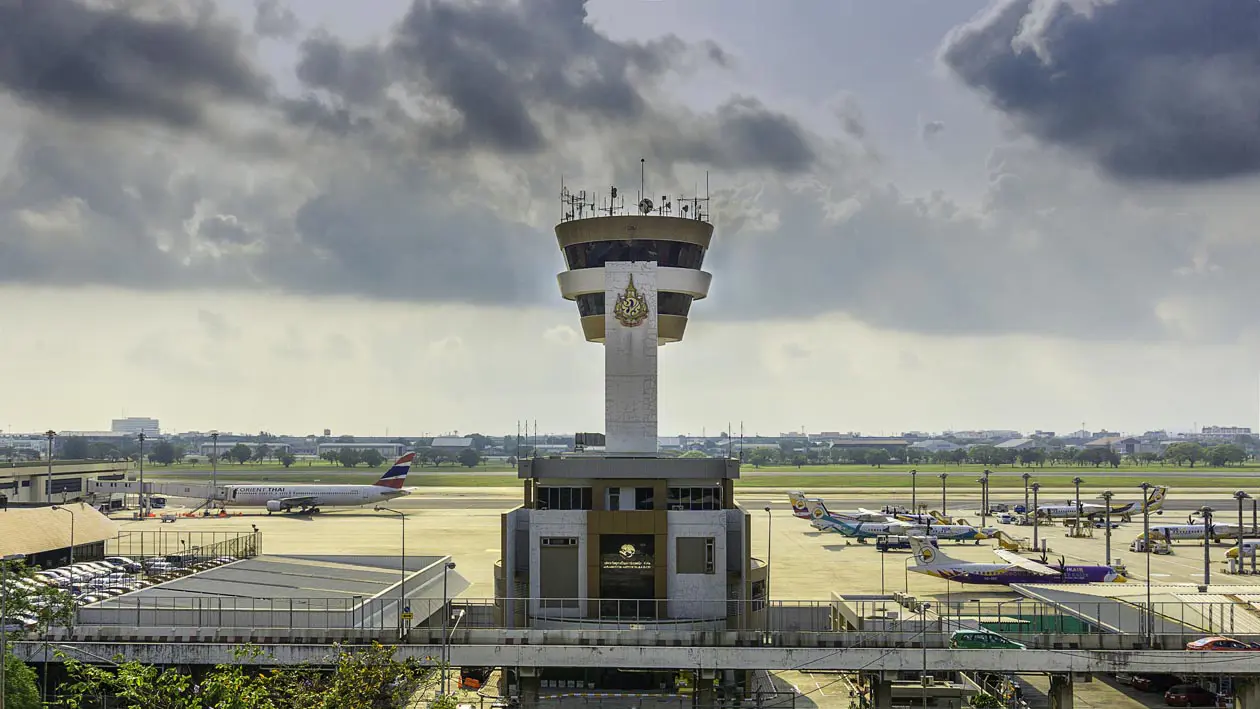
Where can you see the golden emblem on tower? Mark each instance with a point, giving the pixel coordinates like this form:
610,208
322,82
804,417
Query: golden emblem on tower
631,309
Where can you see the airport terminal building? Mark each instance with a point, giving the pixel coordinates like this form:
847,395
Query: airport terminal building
623,537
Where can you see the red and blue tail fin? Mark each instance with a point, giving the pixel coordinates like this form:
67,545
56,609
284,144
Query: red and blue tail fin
397,472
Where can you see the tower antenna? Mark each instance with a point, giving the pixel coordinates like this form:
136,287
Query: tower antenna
642,178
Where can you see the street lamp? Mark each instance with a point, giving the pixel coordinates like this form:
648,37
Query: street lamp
1206,513
1146,547
1240,496
1106,496
943,476
914,502
144,506
4,613
402,566
1077,482
446,613
51,434
1026,476
1036,517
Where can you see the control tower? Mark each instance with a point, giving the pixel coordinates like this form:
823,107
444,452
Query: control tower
634,274
618,536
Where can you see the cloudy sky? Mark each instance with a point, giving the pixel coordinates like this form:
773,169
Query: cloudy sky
249,215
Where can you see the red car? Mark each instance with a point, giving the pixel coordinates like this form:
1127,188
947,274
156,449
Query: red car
1189,695
1217,642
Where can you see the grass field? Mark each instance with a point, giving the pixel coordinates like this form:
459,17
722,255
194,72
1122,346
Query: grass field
1252,467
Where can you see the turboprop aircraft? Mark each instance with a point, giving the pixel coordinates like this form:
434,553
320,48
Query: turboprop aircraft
862,530
1092,510
1017,569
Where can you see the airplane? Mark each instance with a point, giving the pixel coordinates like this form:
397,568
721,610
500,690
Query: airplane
1176,532
862,530
308,498
1091,510
800,508
1249,547
1017,569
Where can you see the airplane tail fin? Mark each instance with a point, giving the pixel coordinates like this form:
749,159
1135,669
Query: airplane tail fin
799,507
397,473
1157,499
927,555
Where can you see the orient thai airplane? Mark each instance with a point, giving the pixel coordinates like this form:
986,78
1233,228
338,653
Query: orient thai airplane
1017,569
308,498
859,529
1091,510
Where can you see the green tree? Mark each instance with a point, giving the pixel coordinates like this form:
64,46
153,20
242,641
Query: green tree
758,457
20,688
286,458
163,453
74,448
180,452
263,452
877,457
348,457
240,453
983,700
371,457
1184,452
469,458
693,454
1223,455
329,455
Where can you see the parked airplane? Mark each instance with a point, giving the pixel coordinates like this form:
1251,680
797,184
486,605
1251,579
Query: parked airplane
1179,532
1091,510
1017,569
851,526
308,498
800,508
1249,547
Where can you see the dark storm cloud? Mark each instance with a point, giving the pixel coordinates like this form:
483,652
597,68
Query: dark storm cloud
272,18
744,134
358,74
224,229
931,129
97,62
1147,89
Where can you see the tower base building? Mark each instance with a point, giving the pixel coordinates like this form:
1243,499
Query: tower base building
624,538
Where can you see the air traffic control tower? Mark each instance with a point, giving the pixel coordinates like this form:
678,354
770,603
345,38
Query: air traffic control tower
616,536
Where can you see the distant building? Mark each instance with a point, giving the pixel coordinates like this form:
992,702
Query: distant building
453,444
935,445
1120,444
208,447
389,450
1018,444
1224,433
133,425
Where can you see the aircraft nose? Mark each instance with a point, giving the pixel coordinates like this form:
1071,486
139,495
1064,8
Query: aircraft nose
1121,579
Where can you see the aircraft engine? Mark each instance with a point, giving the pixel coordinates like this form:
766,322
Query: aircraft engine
274,506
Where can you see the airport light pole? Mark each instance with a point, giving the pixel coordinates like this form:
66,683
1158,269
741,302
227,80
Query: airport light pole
4,614
1206,513
446,614
1077,482
214,467
59,508
1106,496
50,434
985,502
1026,476
769,539
1146,547
914,502
144,507
402,566
1036,517
984,487
943,476
1240,496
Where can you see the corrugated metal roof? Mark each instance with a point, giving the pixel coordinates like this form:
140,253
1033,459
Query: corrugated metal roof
31,530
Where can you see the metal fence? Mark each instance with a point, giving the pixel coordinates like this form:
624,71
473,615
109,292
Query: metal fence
149,544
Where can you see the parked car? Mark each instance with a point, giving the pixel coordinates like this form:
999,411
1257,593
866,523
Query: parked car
1102,524
126,563
1155,683
1217,642
982,640
1189,695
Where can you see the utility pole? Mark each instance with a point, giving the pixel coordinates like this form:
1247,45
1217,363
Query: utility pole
1106,496
144,506
51,434
1206,512
214,467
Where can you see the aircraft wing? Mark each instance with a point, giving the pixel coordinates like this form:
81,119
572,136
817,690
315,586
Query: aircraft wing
1025,563
304,500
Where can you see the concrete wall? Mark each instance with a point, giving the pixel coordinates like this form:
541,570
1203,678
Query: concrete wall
630,362
556,523
698,595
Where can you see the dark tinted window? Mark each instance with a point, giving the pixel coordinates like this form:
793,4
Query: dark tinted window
666,304
664,253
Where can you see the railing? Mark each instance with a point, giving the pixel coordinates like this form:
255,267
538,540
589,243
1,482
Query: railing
204,544
847,621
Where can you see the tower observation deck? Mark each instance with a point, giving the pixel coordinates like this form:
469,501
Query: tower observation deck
597,229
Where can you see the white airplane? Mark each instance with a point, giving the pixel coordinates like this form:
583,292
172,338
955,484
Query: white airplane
860,529
1091,510
1178,532
1249,547
308,498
